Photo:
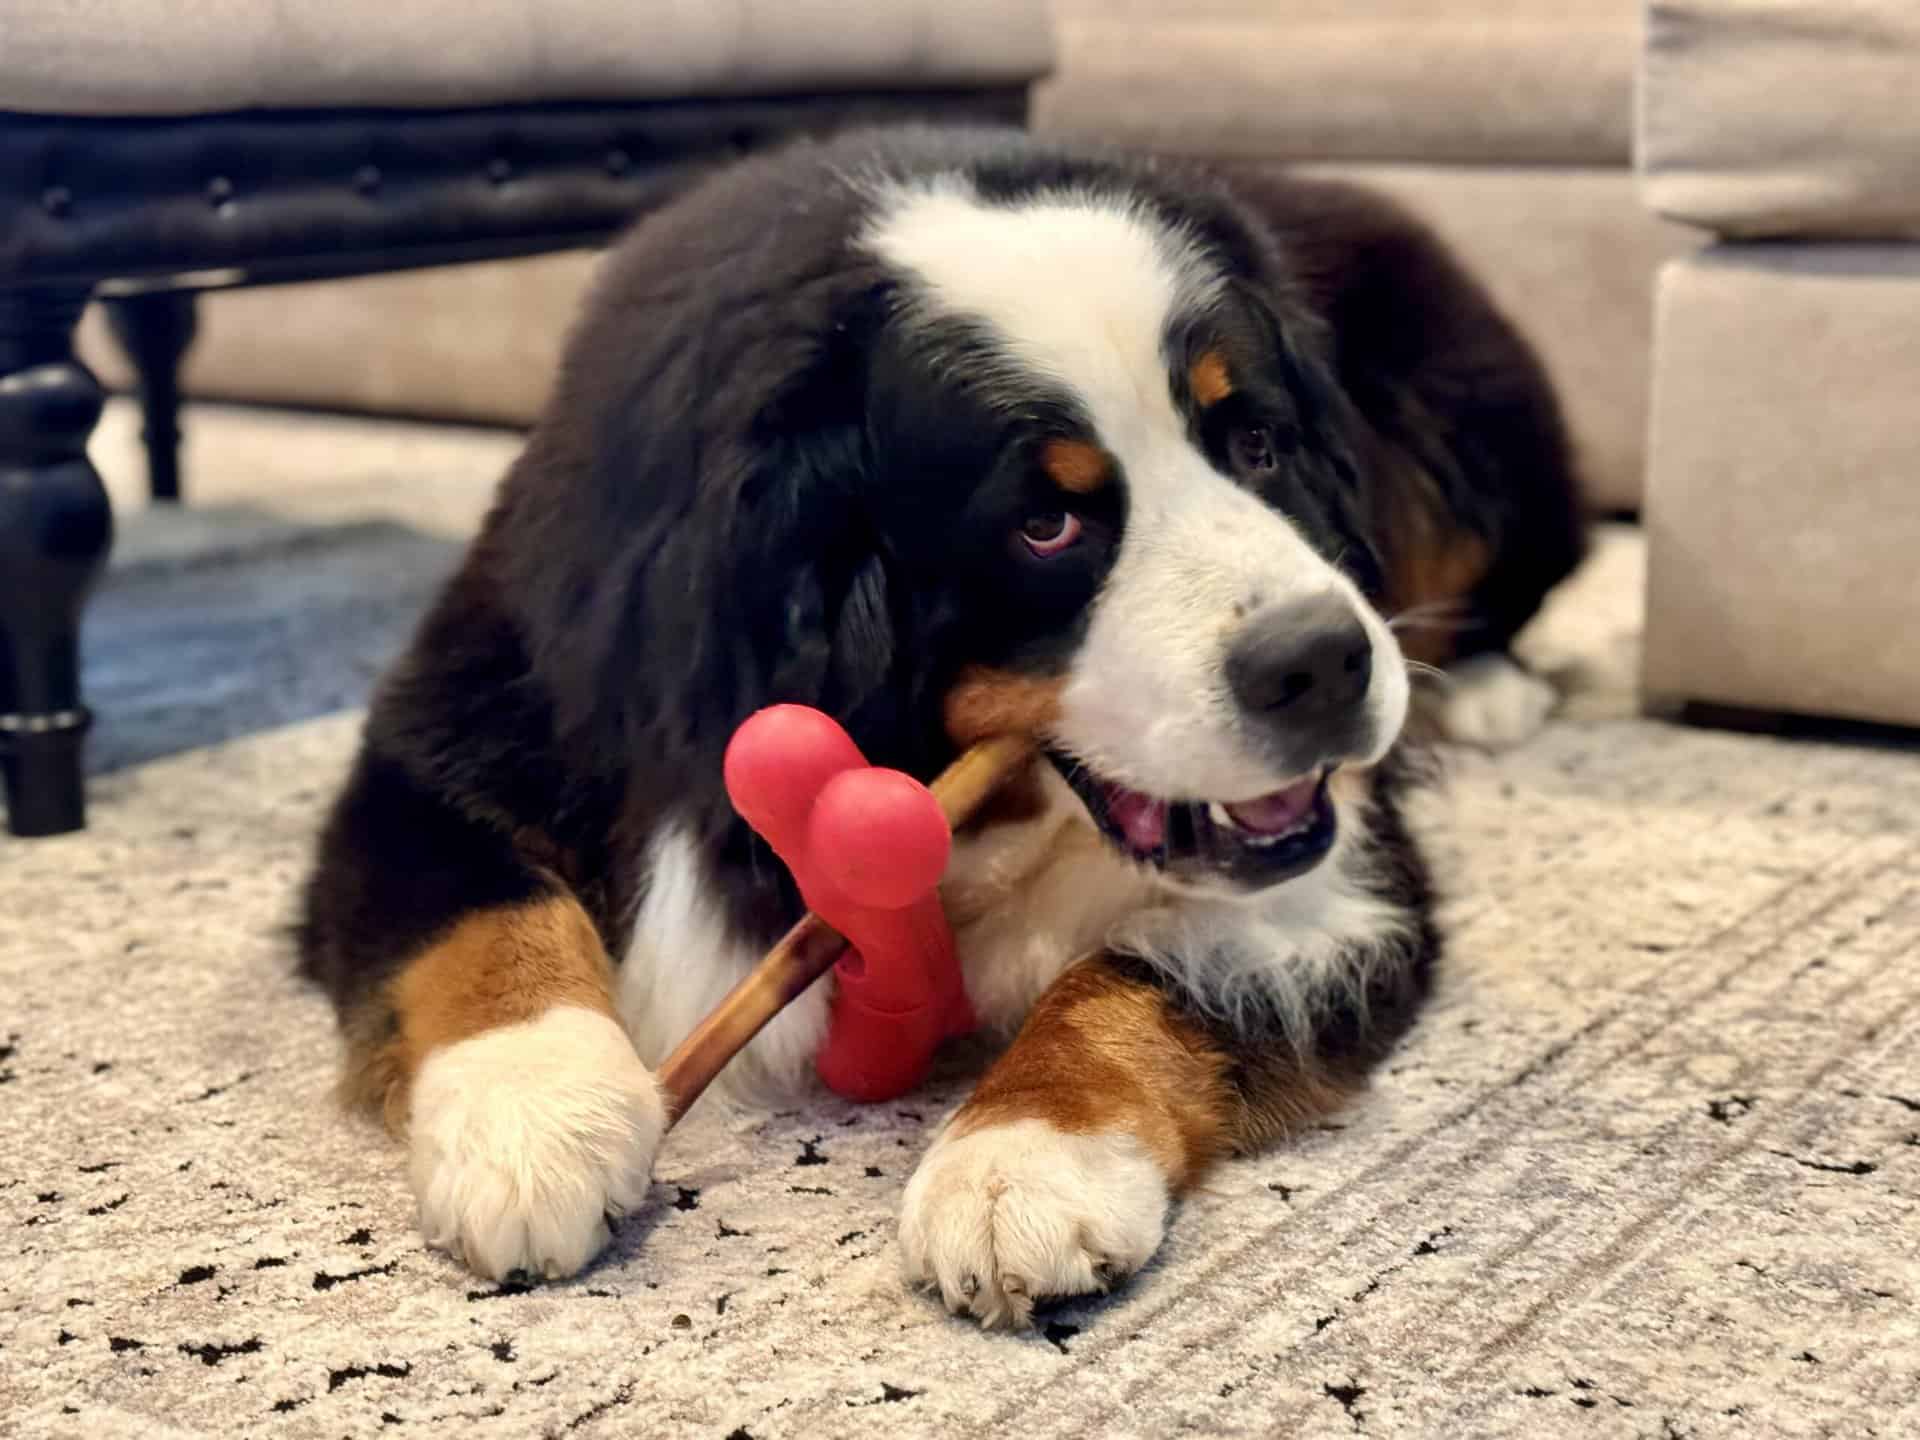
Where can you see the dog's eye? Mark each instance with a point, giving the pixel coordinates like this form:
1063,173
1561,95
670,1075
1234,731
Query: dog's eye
1253,449
1050,532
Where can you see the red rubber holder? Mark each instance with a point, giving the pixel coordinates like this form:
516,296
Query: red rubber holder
867,847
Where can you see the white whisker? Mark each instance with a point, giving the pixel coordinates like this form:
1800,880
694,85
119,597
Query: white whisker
1437,615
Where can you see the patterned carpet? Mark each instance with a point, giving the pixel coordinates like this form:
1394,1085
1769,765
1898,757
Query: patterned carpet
1649,1167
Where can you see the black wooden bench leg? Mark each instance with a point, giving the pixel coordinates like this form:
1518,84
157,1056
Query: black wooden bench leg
55,528
155,330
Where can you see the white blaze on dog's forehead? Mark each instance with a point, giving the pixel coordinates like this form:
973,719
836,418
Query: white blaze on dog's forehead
1087,292
1081,288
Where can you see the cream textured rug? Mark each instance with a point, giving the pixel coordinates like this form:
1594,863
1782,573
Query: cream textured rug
1649,1167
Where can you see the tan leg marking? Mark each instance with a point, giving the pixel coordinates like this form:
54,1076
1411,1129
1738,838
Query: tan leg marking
1104,1052
494,968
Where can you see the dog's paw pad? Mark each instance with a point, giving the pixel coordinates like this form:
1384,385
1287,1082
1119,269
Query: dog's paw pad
1005,1215
527,1139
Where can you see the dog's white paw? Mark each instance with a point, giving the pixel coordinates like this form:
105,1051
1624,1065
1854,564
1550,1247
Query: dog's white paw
1491,702
1008,1214
525,1139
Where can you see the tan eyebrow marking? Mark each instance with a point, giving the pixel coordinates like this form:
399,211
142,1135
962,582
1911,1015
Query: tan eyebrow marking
1076,466
1208,379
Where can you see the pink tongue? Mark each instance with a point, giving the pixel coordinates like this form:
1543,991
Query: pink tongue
1281,810
1142,819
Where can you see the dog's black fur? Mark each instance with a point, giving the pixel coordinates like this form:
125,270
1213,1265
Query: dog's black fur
743,492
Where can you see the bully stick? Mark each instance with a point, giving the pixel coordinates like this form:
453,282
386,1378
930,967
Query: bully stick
810,948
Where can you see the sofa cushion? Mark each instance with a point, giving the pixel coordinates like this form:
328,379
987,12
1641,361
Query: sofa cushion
111,57
1781,118
1782,512
1492,81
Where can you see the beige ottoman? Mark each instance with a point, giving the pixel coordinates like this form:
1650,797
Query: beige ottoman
1783,487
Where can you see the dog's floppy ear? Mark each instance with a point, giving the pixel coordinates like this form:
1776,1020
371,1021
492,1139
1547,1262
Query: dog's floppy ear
814,584
691,542
1329,473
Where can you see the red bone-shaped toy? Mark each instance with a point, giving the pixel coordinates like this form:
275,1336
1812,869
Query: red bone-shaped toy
867,847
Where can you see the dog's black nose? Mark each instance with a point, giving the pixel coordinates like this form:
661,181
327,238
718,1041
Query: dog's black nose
1301,663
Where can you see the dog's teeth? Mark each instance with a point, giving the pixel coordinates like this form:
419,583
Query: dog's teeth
1254,839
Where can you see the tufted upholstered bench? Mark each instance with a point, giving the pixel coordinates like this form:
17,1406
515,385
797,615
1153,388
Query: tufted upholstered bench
151,151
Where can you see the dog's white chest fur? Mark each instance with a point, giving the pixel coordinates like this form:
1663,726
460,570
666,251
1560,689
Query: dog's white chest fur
1027,898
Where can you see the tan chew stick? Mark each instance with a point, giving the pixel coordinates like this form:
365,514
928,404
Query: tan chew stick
809,949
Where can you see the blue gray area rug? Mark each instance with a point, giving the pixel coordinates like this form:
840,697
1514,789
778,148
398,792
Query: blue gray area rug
218,624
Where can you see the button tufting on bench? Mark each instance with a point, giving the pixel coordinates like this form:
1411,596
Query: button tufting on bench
163,196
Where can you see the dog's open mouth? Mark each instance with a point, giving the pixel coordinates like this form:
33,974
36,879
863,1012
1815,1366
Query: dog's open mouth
1250,844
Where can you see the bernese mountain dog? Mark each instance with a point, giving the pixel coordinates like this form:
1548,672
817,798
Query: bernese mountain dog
1180,472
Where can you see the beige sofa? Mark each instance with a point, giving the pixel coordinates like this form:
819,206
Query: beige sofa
1507,123
1783,503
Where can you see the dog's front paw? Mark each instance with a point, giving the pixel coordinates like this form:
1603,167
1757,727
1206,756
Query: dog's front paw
1004,1215
1493,703
526,1138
